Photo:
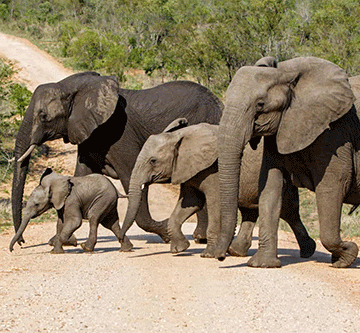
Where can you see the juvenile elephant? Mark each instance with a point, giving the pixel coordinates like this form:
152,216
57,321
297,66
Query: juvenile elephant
305,109
92,197
188,156
109,125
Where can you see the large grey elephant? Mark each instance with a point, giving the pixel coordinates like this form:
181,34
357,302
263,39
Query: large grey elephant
109,125
305,109
188,156
92,197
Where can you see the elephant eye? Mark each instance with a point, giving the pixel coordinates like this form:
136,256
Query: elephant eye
153,161
42,116
260,105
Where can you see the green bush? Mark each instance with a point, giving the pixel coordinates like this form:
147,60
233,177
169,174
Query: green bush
14,99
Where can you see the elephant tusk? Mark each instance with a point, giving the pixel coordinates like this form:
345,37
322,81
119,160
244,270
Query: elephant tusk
27,153
142,186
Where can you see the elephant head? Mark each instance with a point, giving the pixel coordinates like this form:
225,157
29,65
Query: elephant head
51,192
175,155
70,109
295,100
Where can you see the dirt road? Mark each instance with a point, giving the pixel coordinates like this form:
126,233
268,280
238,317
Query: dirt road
151,290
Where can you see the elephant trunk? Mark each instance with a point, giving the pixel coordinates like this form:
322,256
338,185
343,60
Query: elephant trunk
22,145
234,133
137,184
20,230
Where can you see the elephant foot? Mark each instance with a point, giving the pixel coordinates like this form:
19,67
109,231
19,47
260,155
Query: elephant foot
264,260
209,252
87,248
179,246
162,230
239,248
72,241
307,249
21,240
57,250
199,235
126,246
345,256
51,241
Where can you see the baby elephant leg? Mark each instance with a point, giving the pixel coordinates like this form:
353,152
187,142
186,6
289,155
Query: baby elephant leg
241,244
71,223
112,223
199,233
90,243
72,241
190,201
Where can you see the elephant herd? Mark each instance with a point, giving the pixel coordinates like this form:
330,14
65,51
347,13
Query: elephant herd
306,110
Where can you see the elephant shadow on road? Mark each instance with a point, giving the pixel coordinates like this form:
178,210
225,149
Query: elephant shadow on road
291,257
287,256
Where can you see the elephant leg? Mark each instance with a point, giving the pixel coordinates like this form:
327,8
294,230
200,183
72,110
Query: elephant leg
71,224
242,243
90,243
329,203
199,233
270,199
145,221
213,230
290,213
112,223
72,241
190,201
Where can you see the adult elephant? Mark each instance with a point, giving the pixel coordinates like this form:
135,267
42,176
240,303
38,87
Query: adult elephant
304,108
109,125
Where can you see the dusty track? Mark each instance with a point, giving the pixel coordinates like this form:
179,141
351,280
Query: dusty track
150,290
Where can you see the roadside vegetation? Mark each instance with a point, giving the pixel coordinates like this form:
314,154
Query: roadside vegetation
204,40
201,40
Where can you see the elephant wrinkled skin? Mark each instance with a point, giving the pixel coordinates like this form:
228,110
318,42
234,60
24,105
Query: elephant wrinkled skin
188,156
109,125
92,197
305,109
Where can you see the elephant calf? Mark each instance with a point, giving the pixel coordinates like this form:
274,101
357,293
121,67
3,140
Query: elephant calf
187,155
91,197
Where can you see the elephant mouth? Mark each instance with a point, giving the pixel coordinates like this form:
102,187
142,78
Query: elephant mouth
159,179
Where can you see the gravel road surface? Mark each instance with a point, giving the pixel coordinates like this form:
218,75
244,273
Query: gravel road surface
149,289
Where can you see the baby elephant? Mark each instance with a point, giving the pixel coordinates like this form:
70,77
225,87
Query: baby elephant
92,197
188,156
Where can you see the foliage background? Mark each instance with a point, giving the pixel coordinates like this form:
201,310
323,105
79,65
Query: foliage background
205,40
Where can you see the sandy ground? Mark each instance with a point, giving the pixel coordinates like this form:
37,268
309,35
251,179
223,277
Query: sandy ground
149,289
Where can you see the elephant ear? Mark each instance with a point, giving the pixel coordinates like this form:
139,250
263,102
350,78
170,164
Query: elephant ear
321,94
93,103
60,188
176,125
266,62
196,151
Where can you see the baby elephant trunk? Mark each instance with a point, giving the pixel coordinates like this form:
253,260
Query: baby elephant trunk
18,236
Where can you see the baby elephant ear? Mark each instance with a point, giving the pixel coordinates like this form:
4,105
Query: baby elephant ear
93,104
321,94
60,188
196,151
